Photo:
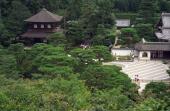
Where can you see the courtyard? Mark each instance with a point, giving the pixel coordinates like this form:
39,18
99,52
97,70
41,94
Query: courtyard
144,71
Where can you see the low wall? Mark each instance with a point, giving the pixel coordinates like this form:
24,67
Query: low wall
123,52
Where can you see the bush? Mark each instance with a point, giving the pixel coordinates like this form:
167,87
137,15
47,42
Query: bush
57,39
129,36
105,77
168,71
146,31
165,62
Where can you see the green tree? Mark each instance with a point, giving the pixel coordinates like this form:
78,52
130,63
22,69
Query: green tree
145,31
151,105
158,90
14,22
4,34
110,100
84,57
74,10
104,36
147,12
101,15
72,94
8,65
105,77
53,94
75,32
129,36
164,5
57,39
102,53
52,61
127,5
168,71
2,30
23,64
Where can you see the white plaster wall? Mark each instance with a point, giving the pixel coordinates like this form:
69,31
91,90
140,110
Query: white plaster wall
122,52
136,53
144,58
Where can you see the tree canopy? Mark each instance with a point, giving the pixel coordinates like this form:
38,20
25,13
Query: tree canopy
66,73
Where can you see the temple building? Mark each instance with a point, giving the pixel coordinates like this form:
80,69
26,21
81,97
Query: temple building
145,51
163,27
41,26
153,50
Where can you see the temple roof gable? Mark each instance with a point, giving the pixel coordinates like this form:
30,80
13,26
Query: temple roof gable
44,16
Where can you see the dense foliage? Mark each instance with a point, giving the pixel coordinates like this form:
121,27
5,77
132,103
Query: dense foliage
61,75
129,36
47,77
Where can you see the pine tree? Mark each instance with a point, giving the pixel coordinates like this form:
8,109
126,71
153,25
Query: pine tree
15,20
147,12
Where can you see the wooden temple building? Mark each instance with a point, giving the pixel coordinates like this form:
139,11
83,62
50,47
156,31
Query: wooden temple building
40,26
153,50
145,50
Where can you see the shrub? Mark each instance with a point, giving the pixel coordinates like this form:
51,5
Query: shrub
145,31
168,71
129,36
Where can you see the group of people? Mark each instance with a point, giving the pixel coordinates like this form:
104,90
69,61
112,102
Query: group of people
137,80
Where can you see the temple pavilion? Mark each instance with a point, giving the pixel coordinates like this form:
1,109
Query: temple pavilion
40,26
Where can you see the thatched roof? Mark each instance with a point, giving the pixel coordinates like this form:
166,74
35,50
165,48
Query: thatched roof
44,16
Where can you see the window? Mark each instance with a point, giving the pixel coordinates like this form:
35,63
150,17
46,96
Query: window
42,26
35,26
49,26
145,54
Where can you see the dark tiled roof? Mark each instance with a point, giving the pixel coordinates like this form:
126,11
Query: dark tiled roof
36,35
44,16
164,35
153,46
165,27
122,48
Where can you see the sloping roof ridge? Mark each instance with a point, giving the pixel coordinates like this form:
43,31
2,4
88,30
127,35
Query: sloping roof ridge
157,43
51,14
53,17
165,14
165,27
